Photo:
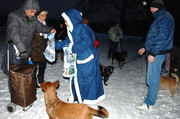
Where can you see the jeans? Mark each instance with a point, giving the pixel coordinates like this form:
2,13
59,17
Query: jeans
153,79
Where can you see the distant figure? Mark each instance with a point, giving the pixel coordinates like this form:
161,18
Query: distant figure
60,36
38,47
62,32
86,86
86,21
115,35
159,42
166,65
175,60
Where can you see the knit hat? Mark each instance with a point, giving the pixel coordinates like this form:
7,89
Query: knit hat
158,4
41,10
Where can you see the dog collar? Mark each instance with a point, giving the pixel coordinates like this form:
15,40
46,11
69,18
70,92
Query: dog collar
103,68
54,108
108,73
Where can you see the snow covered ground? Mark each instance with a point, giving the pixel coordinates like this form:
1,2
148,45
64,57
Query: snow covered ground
125,87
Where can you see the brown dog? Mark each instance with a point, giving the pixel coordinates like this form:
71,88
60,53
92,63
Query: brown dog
169,83
58,109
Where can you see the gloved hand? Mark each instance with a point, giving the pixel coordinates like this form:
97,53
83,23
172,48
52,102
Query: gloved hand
24,57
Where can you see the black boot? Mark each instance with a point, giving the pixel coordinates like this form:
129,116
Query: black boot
41,79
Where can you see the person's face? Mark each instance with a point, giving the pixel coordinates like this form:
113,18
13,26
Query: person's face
154,9
86,21
42,16
30,13
117,25
66,23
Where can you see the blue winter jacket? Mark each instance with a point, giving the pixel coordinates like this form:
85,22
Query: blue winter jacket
160,35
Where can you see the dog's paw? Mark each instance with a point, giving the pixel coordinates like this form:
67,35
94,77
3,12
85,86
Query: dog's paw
105,84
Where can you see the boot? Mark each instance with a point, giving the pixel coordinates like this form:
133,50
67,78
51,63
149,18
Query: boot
41,78
36,83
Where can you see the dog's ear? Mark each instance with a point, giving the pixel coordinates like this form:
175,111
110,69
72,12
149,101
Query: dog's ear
56,84
43,85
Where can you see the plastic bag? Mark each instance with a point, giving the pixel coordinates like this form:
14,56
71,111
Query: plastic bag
69,63
49,52
13,58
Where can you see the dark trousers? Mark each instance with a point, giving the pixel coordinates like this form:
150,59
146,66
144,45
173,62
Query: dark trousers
174,65
41,69
112,48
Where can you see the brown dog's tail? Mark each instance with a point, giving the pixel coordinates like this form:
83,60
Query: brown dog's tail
101,112
177,79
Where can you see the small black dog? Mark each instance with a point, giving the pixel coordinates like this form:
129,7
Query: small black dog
120,58
106,72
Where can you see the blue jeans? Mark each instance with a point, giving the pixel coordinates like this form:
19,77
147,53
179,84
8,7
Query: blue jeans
153,79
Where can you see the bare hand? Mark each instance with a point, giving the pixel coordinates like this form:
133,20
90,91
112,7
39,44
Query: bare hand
48,42
53,30
151,58
141,51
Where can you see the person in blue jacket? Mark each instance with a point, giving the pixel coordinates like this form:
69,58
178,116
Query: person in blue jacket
159,41
86,86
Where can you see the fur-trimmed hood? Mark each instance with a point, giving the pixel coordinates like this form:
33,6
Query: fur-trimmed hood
73,17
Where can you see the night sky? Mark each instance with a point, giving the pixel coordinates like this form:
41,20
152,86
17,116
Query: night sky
54,7
107,12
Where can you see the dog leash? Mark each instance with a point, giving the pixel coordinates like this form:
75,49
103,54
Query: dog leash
130,59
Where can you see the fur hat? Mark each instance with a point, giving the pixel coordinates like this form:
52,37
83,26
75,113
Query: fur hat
158,4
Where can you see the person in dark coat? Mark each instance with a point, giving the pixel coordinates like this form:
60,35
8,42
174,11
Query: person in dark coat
62,32
38,47
21,26
86,21
60,36
115,36
175,60
86,85
159,42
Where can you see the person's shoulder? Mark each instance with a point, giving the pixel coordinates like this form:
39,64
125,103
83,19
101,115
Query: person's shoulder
15,14
82,26
87,27
165,14
166,19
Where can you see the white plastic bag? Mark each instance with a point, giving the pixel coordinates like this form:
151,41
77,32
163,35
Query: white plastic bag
69,63
49,52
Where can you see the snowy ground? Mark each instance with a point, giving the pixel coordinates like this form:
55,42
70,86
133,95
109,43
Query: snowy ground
123,92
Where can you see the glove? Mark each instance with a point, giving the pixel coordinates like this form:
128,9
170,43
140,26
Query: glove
24,57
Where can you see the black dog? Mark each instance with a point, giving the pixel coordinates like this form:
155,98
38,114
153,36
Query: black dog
106,72
120,58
